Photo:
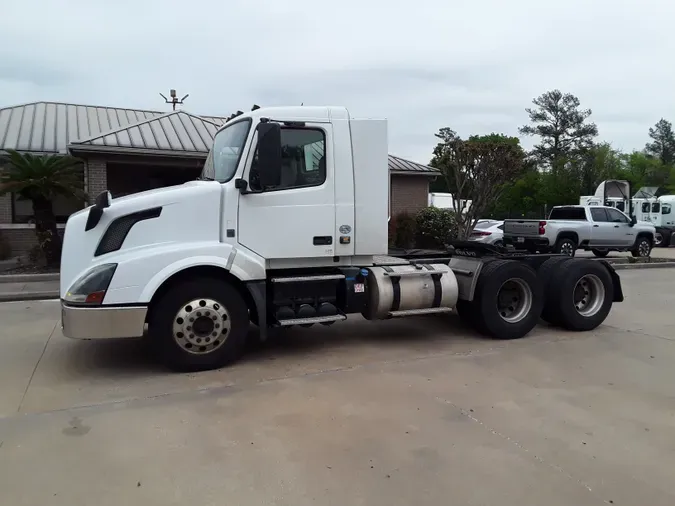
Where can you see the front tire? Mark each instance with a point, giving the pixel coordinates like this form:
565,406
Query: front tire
642,248
199,324
508,300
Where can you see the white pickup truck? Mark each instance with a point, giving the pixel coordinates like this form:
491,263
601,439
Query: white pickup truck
599,229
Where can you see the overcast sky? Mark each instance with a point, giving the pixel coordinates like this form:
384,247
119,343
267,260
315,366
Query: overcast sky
471,65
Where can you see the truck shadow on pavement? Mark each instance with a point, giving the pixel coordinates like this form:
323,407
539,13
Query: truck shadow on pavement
393,339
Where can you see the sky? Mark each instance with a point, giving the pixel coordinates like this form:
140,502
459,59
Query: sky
473,66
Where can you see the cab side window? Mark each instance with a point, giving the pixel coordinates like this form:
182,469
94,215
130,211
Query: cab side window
599,214
666,209
303,160
616,216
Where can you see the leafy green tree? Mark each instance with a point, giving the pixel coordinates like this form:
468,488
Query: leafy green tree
663,142
562,127
644,170
40,179
477,172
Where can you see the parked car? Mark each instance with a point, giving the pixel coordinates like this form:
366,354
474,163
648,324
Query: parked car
488,232
599,229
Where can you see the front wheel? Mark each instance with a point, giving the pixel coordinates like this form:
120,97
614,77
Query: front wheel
600,253
198,325
643,248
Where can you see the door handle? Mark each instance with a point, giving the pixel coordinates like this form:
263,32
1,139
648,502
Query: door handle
323,240
596,226
616,226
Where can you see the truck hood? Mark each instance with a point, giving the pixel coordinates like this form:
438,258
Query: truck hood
189,212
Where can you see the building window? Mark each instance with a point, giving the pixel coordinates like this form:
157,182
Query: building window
22,209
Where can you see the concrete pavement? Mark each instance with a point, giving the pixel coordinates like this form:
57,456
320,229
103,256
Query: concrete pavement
403,412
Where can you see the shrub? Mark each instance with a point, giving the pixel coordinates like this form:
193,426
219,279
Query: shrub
392,231
435,227
405,231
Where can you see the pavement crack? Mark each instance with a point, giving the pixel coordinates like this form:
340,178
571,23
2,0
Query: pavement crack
640,332
25,392
517,444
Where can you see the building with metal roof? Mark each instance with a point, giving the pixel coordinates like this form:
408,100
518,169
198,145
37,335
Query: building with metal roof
127,150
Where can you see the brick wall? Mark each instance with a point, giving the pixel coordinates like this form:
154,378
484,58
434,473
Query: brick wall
409,194
95,177
21,240
6,208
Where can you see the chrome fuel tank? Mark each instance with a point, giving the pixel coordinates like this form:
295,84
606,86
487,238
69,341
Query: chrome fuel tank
408,287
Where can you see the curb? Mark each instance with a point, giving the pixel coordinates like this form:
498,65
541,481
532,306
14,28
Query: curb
27,278
26,296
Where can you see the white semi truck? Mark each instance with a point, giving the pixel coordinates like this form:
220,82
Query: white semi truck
288,226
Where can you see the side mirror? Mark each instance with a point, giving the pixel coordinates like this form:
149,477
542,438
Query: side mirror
269,154
633,220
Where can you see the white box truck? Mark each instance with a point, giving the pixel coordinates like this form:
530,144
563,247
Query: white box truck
288,226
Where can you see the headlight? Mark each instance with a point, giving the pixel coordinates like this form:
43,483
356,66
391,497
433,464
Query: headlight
91,287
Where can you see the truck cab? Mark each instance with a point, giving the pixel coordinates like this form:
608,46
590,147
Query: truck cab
286,226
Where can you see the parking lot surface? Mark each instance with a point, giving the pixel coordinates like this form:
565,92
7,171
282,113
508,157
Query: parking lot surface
418,411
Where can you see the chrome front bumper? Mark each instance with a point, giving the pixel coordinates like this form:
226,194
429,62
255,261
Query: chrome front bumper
102,322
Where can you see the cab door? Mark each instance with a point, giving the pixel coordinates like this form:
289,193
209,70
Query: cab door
624,233
296,218
602,231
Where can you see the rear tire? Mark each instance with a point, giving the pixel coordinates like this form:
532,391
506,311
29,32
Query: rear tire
546,271
466,311
565,246
580,294
198,325
508,300
600,253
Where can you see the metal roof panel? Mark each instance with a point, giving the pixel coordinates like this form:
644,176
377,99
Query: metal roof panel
53,126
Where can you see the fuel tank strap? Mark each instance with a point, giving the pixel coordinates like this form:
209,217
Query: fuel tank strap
396,286
438,286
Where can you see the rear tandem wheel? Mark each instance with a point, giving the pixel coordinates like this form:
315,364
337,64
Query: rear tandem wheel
507,301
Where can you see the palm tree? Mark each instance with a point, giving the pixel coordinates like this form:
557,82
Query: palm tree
40,179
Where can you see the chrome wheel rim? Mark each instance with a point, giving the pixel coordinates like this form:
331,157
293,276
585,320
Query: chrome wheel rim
567,248
514,300
658,239
643,248
589,295
201,326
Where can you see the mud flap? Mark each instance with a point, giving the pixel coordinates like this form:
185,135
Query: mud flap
258,291
616,281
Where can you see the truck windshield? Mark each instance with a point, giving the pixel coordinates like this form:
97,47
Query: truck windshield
221,164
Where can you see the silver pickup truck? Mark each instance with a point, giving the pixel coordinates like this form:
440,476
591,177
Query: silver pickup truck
596,228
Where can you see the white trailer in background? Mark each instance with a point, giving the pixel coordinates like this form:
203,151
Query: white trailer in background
445,201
